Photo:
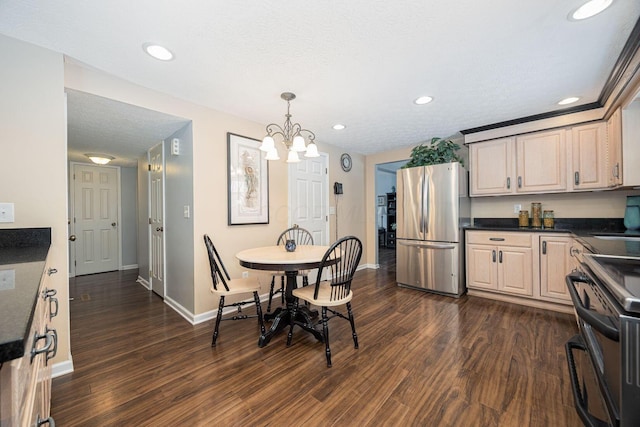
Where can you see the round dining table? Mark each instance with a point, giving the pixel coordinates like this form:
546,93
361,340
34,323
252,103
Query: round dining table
277,258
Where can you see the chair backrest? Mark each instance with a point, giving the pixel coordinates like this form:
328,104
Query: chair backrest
217,274
297,234
341,260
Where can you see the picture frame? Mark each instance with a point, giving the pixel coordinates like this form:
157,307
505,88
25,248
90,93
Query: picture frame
381,201
247,181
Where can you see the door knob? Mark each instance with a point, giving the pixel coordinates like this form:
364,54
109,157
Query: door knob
72,237
113,224
160,229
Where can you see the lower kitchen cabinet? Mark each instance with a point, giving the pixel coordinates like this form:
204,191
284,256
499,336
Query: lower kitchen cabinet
25,383
501,262
527,268
556,262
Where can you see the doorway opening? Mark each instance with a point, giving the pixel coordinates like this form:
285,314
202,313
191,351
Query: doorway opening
385,187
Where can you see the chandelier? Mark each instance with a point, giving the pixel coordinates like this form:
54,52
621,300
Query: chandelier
292,138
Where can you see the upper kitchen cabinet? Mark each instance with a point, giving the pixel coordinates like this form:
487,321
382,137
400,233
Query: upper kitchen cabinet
589,156
614,149
541,162
492,167
531,163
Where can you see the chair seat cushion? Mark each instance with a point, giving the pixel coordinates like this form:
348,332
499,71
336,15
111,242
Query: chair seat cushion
237,286
324,293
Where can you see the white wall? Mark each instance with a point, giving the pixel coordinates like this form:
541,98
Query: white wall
129,212
143,219
33,164
179,238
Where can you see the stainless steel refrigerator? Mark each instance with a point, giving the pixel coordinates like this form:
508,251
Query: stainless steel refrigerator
432,209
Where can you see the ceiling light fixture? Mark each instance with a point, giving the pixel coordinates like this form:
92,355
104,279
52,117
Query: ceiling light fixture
158,52
292,138
569,100
423,100
589,9
99,159
339,126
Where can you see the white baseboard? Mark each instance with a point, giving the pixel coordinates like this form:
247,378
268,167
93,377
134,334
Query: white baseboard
189,317
144,282
363,266
130,267
62,368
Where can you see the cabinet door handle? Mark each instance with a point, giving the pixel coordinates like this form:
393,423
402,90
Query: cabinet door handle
52,271
41,421
508,183
617,170
54,350
544,247
500,257
496,239
53,302
493,255
48,343
519,182
576,178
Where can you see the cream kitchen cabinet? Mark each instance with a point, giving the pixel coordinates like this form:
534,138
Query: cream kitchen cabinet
614,149
532,163
500,262
589,156
556,261
542,162
26,382
493,167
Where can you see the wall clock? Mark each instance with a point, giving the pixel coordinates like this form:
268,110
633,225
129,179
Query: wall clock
345,162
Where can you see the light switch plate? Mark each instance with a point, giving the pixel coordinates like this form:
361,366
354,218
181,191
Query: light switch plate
517,208
6,212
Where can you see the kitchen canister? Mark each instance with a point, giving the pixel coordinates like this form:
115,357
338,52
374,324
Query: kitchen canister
632,213
536,215
523,219
548,219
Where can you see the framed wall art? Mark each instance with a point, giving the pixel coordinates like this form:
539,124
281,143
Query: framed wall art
247,181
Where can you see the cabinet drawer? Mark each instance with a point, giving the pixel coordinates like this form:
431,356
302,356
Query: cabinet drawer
499,238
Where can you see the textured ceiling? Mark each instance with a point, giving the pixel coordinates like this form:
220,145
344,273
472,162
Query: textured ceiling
357,62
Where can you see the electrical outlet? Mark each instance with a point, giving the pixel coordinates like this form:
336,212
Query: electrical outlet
245,274
6,212
517,208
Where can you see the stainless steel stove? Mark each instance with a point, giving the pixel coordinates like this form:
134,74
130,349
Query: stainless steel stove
604,358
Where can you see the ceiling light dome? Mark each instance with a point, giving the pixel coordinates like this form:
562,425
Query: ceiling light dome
99,159
423,100
569,100
589,9
158,52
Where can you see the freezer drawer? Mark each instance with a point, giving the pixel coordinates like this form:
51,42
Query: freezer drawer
432,266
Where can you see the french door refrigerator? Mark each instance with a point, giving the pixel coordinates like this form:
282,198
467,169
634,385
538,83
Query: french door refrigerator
432,209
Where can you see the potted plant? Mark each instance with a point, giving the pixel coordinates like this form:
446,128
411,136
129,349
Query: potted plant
437,151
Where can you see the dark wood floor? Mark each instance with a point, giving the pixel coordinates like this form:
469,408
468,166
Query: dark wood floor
424,360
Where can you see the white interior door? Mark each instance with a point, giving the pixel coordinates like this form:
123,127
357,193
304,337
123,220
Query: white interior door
95,217
156,218
309,197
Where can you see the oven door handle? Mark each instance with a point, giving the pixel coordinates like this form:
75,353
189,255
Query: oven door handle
597,321
576,343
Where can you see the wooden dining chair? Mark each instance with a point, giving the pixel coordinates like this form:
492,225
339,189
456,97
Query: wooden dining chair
301,237
223,285
340,262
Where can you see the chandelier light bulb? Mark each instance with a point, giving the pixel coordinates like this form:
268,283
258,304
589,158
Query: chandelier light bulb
293,157
267,144
312,150
298,144
272,154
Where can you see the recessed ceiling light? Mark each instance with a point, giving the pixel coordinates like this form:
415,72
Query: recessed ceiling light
569,100
339,126
423,100
589,9
158,52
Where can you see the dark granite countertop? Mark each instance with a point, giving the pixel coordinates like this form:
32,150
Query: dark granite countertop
23,254
613,238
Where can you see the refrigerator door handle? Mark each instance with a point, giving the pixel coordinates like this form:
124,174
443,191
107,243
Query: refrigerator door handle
425,205
427,245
